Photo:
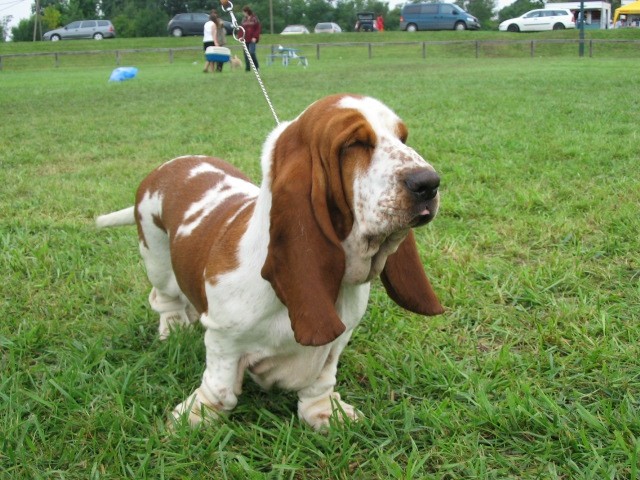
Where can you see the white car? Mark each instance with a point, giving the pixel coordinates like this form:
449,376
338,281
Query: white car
294,30
539,20
327,27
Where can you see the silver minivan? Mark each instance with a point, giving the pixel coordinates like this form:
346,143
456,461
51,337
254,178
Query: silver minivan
436,16
96,29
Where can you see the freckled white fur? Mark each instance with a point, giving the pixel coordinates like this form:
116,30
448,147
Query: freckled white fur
377,193
247,327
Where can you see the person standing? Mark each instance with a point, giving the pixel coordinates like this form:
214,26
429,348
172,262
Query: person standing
252,29
213,36
380,23
219,38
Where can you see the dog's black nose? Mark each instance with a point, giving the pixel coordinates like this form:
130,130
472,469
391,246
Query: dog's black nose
423,183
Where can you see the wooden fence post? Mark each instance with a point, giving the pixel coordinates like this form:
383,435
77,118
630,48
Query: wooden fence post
369,51
424,50
57,62
533,48
171,55
117,57
318,51
477,49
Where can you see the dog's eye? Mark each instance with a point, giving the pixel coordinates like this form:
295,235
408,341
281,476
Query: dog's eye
357,149
361,144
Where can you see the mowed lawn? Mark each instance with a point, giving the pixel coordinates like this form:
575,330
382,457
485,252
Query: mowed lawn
533,372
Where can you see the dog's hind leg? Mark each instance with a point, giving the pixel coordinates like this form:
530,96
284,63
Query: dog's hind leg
174,312
165,297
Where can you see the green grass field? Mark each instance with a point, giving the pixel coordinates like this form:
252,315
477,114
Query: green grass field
533,372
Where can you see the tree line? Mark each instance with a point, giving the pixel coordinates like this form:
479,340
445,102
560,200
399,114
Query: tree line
149,18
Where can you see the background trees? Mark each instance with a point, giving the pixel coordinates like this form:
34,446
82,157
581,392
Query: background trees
149,18
519,7
4,21
482,10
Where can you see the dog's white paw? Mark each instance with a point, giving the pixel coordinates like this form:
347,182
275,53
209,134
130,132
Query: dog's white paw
196,410
170,321
174,312
318,412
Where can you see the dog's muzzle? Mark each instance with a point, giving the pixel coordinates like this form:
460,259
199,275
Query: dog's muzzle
423,185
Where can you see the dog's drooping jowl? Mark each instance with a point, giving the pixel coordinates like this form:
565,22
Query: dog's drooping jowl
279,274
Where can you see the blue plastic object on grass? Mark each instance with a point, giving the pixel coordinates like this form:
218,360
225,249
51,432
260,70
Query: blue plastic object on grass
123,73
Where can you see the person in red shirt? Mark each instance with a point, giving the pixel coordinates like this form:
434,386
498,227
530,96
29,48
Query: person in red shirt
252,30
380,23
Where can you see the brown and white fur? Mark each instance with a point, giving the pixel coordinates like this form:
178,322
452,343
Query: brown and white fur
279,275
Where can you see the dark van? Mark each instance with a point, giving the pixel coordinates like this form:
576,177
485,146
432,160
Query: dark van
436,16
192,24
365,21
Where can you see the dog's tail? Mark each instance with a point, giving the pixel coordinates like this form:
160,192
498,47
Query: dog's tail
116,219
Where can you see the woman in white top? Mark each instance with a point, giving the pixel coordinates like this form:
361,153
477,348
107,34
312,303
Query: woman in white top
213,32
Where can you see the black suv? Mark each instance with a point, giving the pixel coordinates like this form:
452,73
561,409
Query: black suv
192,24
365,22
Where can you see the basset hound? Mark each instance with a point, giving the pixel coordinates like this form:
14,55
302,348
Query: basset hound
279,275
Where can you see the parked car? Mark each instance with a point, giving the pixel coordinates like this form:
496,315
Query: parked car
294,30
436,16
539,20
184,24
96,29
365,22
327,27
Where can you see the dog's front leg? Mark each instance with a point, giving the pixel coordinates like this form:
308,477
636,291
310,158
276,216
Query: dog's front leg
216,394
318,402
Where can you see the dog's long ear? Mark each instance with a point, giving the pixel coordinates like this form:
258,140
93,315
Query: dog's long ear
310,215
406,282
305,263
